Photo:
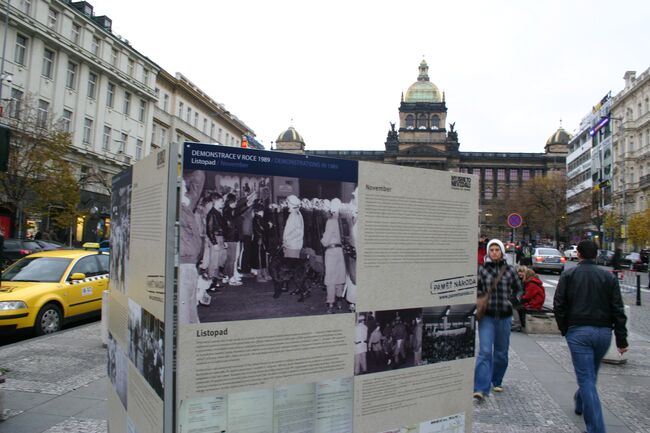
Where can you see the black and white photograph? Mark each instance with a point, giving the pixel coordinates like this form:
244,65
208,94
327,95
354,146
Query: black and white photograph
146,335
117,369
387,340
120,229
449,333
259,247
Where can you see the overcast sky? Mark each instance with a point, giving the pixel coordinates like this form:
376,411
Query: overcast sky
510,69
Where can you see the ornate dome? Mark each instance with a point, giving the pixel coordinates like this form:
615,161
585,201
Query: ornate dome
290,135
559,137
423,90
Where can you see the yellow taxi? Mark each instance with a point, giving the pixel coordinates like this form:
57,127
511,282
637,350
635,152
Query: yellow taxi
43,290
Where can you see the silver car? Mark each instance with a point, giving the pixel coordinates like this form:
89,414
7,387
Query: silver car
548,259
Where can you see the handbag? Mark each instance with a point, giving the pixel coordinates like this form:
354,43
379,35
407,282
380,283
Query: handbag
483,300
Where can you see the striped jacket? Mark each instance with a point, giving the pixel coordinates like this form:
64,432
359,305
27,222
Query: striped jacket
508,290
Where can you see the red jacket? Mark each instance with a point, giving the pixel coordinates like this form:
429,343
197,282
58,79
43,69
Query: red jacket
534,294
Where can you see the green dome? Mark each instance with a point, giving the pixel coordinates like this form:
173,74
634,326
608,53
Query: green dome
423,90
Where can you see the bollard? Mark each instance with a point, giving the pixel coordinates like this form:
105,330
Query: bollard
105,318
638,289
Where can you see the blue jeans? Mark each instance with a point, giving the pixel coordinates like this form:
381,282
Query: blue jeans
492,360
588,346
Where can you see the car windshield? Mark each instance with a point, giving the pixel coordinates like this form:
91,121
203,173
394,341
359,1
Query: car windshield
548,252
37,269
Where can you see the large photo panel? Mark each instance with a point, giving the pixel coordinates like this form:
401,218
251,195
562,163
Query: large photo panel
265,235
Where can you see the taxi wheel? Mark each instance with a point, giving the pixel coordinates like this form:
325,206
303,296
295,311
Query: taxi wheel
48,320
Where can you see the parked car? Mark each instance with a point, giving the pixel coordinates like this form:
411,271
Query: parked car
571,253
605,257
49,245
44,290
15,249
548,259
634,261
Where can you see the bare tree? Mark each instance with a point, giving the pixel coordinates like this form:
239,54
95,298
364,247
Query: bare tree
38,177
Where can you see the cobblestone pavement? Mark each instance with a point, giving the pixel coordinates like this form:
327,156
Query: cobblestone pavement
75,425
524,406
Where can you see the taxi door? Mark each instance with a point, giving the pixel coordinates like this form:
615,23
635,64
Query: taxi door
85,295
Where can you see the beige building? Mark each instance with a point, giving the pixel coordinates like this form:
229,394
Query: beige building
184,112
631,144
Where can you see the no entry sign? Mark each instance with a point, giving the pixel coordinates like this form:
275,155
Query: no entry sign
515,220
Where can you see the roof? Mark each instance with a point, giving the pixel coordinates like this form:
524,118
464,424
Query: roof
66,254
423,90
290,135
559,137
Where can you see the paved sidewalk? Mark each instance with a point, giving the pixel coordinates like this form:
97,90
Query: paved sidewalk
58,384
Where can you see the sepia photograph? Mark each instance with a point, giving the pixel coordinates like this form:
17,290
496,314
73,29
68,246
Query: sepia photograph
259,247
449,333
117,369
120,229
387,340
146,351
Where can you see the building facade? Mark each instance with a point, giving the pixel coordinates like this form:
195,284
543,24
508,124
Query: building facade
117,104
184,112
630,115
422,139
589,175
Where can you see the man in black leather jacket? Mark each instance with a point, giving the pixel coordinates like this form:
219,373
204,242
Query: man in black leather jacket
588,304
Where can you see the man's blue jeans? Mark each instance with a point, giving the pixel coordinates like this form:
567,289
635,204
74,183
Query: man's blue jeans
588,346
492,360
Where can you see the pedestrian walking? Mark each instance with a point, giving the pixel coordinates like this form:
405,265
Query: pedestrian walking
499,278
588,304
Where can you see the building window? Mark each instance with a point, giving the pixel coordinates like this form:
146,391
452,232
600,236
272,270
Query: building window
48,63
123,142
76,33
538,173
525,174
88,130
21,49
180,110
126,108
487,174
227,138
115,57
188,117
154,131
143,107
71,76
66,120
422,121
165,101
212,130
26,6
501,174
92,84
145,76
487,194
219,138
52,18
95,46
196,120
138,149
205,126
435,122
410,121
16,103
163,136
41,114
110,95
130,67
106,139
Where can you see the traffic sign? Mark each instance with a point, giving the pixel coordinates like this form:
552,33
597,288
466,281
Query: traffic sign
515,220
